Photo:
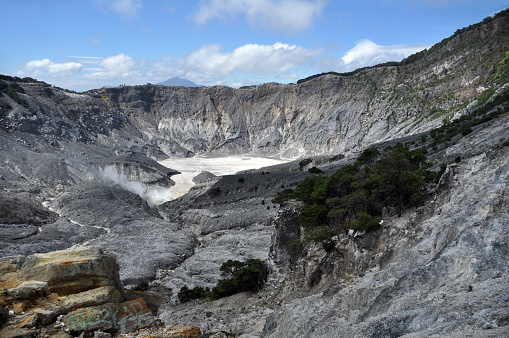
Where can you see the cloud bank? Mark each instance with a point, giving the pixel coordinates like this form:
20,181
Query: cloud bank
45,67
367,53
248,59
211,65
288,16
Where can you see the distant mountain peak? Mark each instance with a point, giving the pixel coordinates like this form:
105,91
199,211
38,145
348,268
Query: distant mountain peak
177,81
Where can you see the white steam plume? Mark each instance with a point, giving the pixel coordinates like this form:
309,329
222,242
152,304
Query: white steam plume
153,196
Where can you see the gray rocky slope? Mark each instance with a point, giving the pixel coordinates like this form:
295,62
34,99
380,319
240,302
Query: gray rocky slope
74,170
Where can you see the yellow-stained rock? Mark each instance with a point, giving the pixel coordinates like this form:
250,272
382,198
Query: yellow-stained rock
29,322
72,270
19,307
94,297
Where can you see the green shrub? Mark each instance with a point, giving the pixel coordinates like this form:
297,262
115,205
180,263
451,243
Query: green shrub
313,215
143,286
185,294
364,221
315,170
241,179
250,275
322,234
368,156
283,196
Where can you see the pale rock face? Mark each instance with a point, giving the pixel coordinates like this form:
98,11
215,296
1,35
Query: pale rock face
100,268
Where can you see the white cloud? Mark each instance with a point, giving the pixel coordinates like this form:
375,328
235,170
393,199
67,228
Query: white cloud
248,59
368,53
210,65
113,67
45,68
282,15
126,8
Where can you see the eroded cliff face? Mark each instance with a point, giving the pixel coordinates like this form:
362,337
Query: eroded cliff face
439,270
329,114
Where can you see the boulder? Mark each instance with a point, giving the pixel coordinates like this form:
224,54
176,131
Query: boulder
153,300
94,297
27,290
73,270
123,317
45,316
100,334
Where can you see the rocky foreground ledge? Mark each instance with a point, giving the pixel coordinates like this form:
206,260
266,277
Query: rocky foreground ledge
75,292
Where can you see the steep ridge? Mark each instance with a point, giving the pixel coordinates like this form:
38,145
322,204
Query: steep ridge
328,114
440,269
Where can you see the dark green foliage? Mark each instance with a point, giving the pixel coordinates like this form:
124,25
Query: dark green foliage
309,190
250,275
229,267
241,179
358,70
395,179
12,91
283,196
313,215
315,170
354,196
224,288
369,156
457,159
400,182
143,286
4,87
484,112
185,294
364,221
322,234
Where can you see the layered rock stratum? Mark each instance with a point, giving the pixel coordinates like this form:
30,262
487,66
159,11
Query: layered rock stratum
76,170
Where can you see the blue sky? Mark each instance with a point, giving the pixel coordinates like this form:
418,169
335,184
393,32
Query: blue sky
85,44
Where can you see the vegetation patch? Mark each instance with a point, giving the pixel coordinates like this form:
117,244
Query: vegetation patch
12,91
250,275
484,112
355,196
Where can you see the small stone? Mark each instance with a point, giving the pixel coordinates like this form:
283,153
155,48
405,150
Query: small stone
46,316
100,334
